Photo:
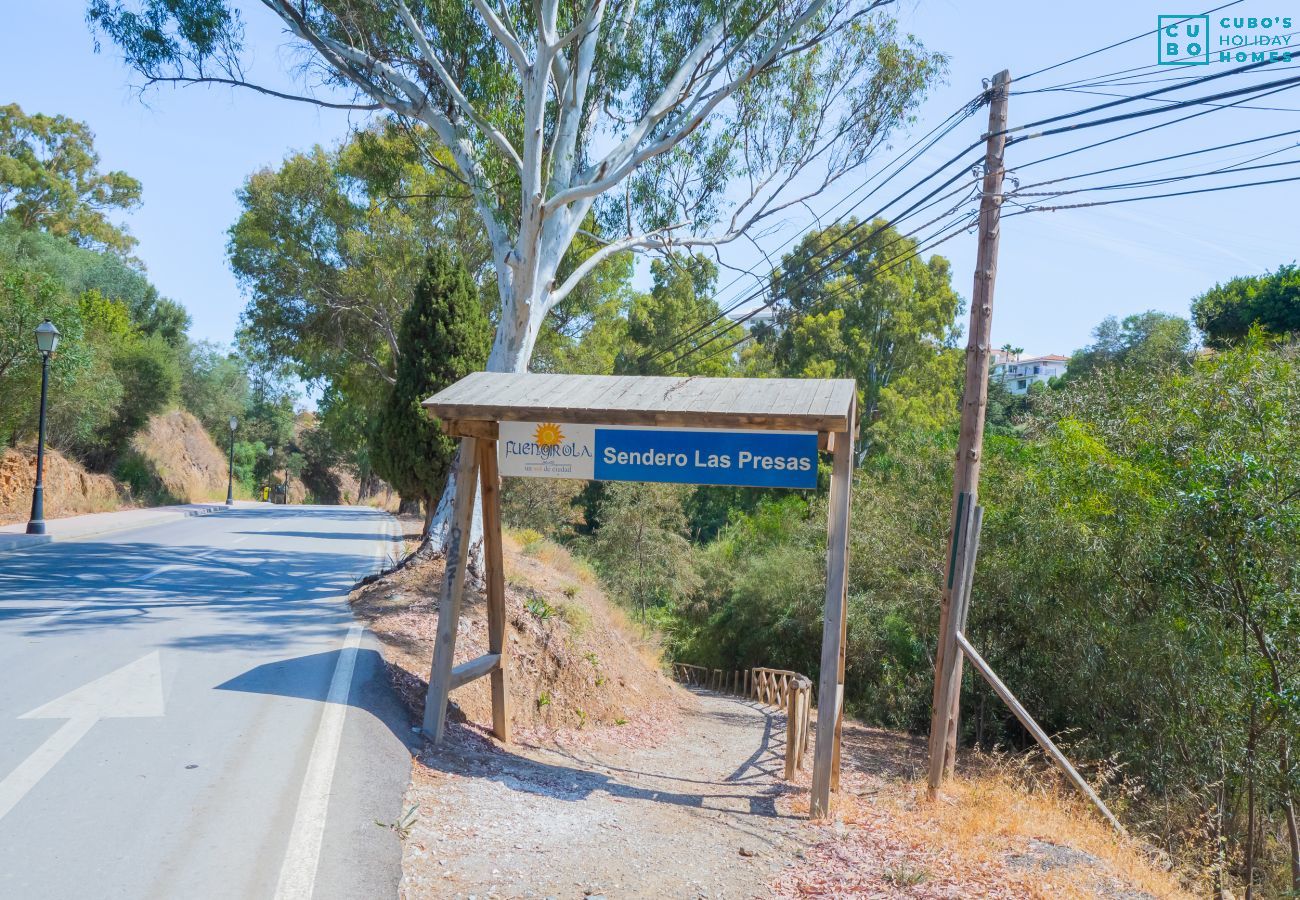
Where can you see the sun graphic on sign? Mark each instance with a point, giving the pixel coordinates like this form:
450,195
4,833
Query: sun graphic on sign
548,435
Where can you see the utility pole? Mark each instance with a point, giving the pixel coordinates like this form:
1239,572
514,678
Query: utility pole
975,395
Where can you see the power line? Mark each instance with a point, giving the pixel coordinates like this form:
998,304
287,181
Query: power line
1093,123
919,247
955,118
1209,190
1164,100
815,273
1149,128
1149,162
1153,93
1129,40
866,220
1131,72
1286,83
1120,79
880,269
1171,179
959,115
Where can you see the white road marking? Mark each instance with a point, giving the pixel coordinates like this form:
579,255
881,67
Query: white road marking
298,871
133,691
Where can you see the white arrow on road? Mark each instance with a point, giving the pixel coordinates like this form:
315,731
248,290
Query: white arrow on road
131,692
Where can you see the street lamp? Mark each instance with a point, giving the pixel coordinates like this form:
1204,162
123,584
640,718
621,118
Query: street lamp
47,338
270,455
230,469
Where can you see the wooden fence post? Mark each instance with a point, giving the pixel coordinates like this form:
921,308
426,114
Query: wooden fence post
791,734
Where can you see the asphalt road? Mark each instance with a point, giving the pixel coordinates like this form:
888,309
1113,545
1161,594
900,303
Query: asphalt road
188,710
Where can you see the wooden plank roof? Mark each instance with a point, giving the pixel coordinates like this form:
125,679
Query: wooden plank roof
782,404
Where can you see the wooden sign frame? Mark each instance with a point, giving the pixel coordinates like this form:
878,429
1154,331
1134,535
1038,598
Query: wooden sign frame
471,410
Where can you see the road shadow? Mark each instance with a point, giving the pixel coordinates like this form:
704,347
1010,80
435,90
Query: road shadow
245,597
309,677
467,751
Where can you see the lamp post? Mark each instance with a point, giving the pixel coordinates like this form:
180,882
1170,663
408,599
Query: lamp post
230,468
47,338
270,479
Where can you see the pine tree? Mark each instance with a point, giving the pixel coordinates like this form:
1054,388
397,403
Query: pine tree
445,335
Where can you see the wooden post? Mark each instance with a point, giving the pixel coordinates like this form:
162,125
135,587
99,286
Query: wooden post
449,597
950,683
791,734
830,695
490,485
943,722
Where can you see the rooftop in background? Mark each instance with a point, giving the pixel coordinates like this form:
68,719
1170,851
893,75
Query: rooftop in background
779,404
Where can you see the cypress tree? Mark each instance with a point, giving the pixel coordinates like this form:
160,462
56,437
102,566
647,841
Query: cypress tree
445,335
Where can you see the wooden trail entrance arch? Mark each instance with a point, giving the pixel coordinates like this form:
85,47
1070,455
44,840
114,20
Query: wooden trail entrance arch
761,432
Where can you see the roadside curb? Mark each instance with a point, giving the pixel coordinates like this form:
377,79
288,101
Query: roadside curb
13,542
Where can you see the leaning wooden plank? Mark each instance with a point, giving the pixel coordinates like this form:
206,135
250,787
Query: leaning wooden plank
474,669
832,626
449,596
1032,727
490,488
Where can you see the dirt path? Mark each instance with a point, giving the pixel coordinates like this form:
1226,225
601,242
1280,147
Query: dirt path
694,817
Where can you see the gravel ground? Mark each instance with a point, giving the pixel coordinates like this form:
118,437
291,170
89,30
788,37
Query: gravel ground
693,817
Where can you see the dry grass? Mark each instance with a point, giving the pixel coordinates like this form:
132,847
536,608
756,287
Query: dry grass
991,834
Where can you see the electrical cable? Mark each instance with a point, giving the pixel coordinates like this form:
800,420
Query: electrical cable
1136,37
963,112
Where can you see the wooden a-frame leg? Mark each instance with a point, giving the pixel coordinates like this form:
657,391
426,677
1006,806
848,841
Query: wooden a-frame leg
449,597
496,585
830,694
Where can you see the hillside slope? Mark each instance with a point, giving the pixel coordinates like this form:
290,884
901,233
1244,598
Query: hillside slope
574,664
69,489
174,456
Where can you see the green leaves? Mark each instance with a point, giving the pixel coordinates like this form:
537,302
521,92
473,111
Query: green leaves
1226,312
873,314
50,180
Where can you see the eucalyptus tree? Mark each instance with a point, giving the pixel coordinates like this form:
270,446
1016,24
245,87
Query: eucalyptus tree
677,124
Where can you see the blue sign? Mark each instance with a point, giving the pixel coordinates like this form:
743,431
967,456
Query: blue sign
740,458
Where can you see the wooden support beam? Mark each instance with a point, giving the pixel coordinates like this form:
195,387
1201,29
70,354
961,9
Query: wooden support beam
1033,728
474,669
449,596
475,428
490,487
837,560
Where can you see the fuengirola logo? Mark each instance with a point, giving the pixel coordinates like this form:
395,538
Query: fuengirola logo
548,434
548,442
1186,40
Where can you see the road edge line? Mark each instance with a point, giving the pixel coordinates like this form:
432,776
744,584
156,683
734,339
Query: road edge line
302,856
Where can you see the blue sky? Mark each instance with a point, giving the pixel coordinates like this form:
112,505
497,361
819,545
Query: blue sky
1059,273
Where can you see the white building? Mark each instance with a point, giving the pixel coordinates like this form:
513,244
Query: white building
1019,373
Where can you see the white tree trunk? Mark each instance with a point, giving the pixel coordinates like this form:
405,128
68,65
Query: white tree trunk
512,349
